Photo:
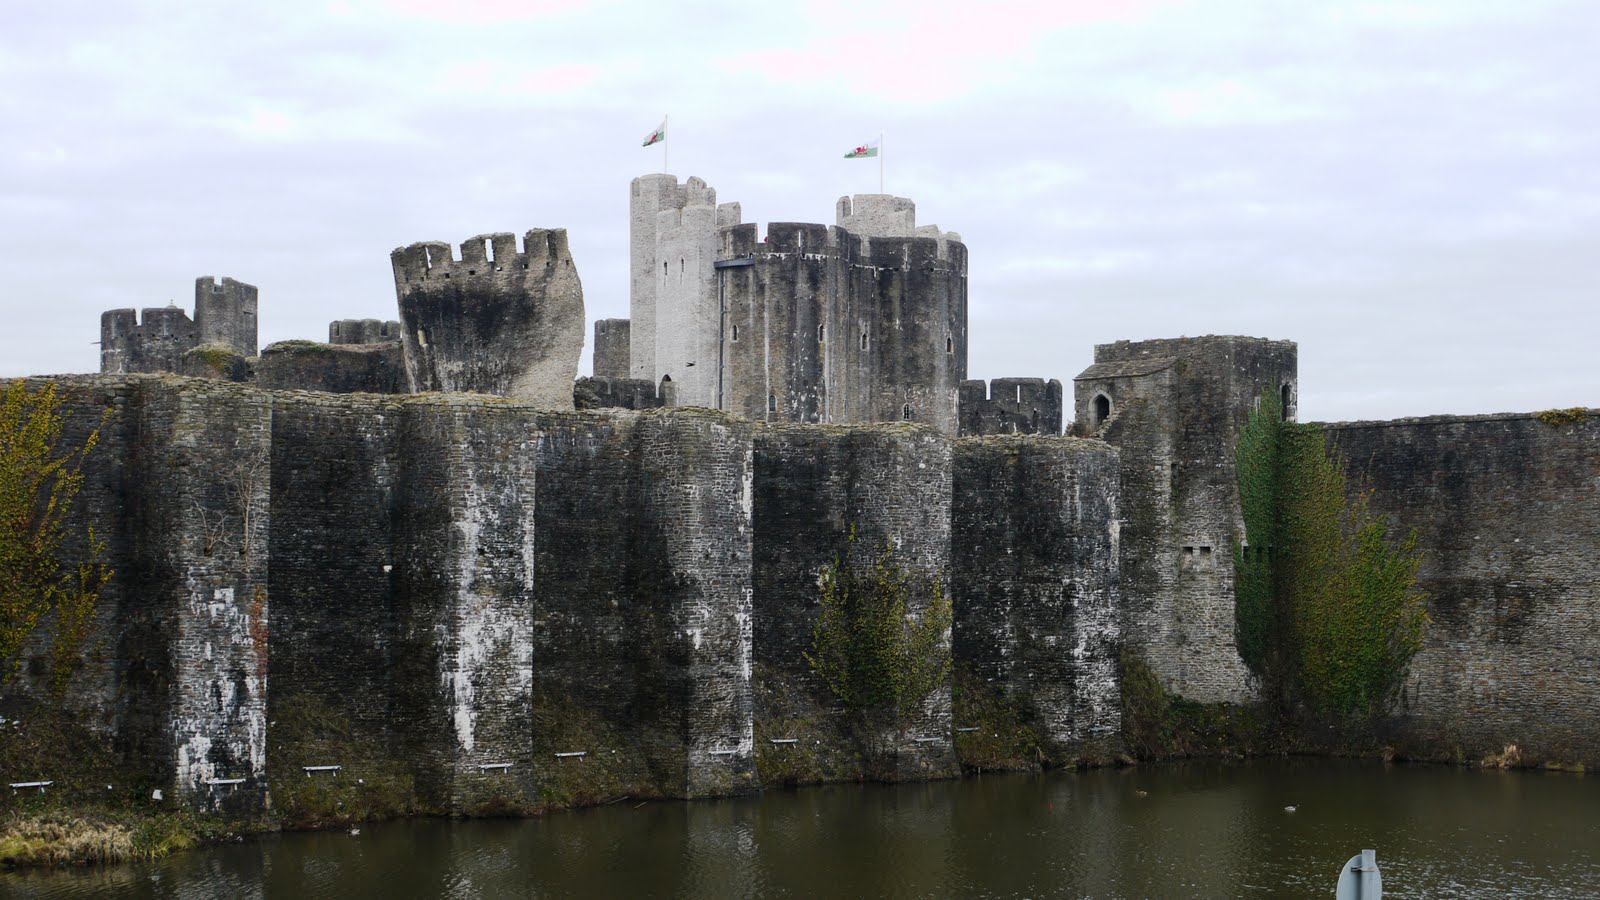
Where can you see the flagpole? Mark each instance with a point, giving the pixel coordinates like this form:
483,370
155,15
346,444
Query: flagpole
666,157
880,162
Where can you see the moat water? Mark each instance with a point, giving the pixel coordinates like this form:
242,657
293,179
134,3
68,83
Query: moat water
1190,830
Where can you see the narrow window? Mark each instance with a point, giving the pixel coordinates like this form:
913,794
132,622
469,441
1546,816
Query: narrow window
488,249
949,345
736,334
905,412
863,340
822,332
1019,394
1286,393
336,329
772,403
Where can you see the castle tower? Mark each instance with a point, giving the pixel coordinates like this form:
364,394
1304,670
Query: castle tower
824,325
494,322
225,314
674,308
156,344
611,341
1175,408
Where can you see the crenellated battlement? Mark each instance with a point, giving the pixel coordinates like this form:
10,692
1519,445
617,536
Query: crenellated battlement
225,312
362,331
1010,406
482,256
495,320
151,342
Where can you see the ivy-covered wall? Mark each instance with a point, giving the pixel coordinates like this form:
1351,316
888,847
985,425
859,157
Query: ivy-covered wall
1507,509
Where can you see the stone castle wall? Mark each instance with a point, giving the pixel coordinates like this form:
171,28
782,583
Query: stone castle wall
1035,584
447,592
1507,513
891,487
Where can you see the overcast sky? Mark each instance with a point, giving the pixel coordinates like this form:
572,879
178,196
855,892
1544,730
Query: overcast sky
1410,190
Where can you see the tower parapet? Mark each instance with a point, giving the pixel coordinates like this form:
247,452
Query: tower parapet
885,215
1010,406
225,314
362,331
156,344
496,321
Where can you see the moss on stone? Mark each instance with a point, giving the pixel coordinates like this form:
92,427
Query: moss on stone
298,346
1556,418
613,767
370,785
1159,725
991,733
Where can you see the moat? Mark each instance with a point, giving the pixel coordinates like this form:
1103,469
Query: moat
1198,829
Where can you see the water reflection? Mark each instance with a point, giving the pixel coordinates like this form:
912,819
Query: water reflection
1157,831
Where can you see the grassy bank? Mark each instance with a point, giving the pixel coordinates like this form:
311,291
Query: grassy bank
63,837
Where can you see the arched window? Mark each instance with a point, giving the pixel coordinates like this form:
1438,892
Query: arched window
1287,396
905,412
863,340
1102,409
772,403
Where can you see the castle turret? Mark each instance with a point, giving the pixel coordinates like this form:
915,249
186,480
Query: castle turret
496,321
156,344
1175,408
225,314
826,326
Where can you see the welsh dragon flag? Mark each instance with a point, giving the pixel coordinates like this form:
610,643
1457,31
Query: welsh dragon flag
863,151
657,136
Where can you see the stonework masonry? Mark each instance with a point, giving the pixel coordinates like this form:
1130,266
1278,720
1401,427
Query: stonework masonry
337,368
1507,513
1009,406
454,581
864,321
1174,408
497,321
224,318
449,591
833,328
1035,584
891,487
612,338
363,331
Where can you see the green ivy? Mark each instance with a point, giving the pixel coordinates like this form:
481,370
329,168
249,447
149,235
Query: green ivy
868,648
1327,608
39,483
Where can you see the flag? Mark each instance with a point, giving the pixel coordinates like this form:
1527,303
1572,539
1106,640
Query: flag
659,135
863,151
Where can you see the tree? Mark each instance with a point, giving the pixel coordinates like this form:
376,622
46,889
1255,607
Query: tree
39,482
880,659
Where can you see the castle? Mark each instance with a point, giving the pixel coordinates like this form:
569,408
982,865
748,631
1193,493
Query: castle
424,553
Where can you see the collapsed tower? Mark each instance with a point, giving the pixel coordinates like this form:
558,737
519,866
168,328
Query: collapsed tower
496,321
